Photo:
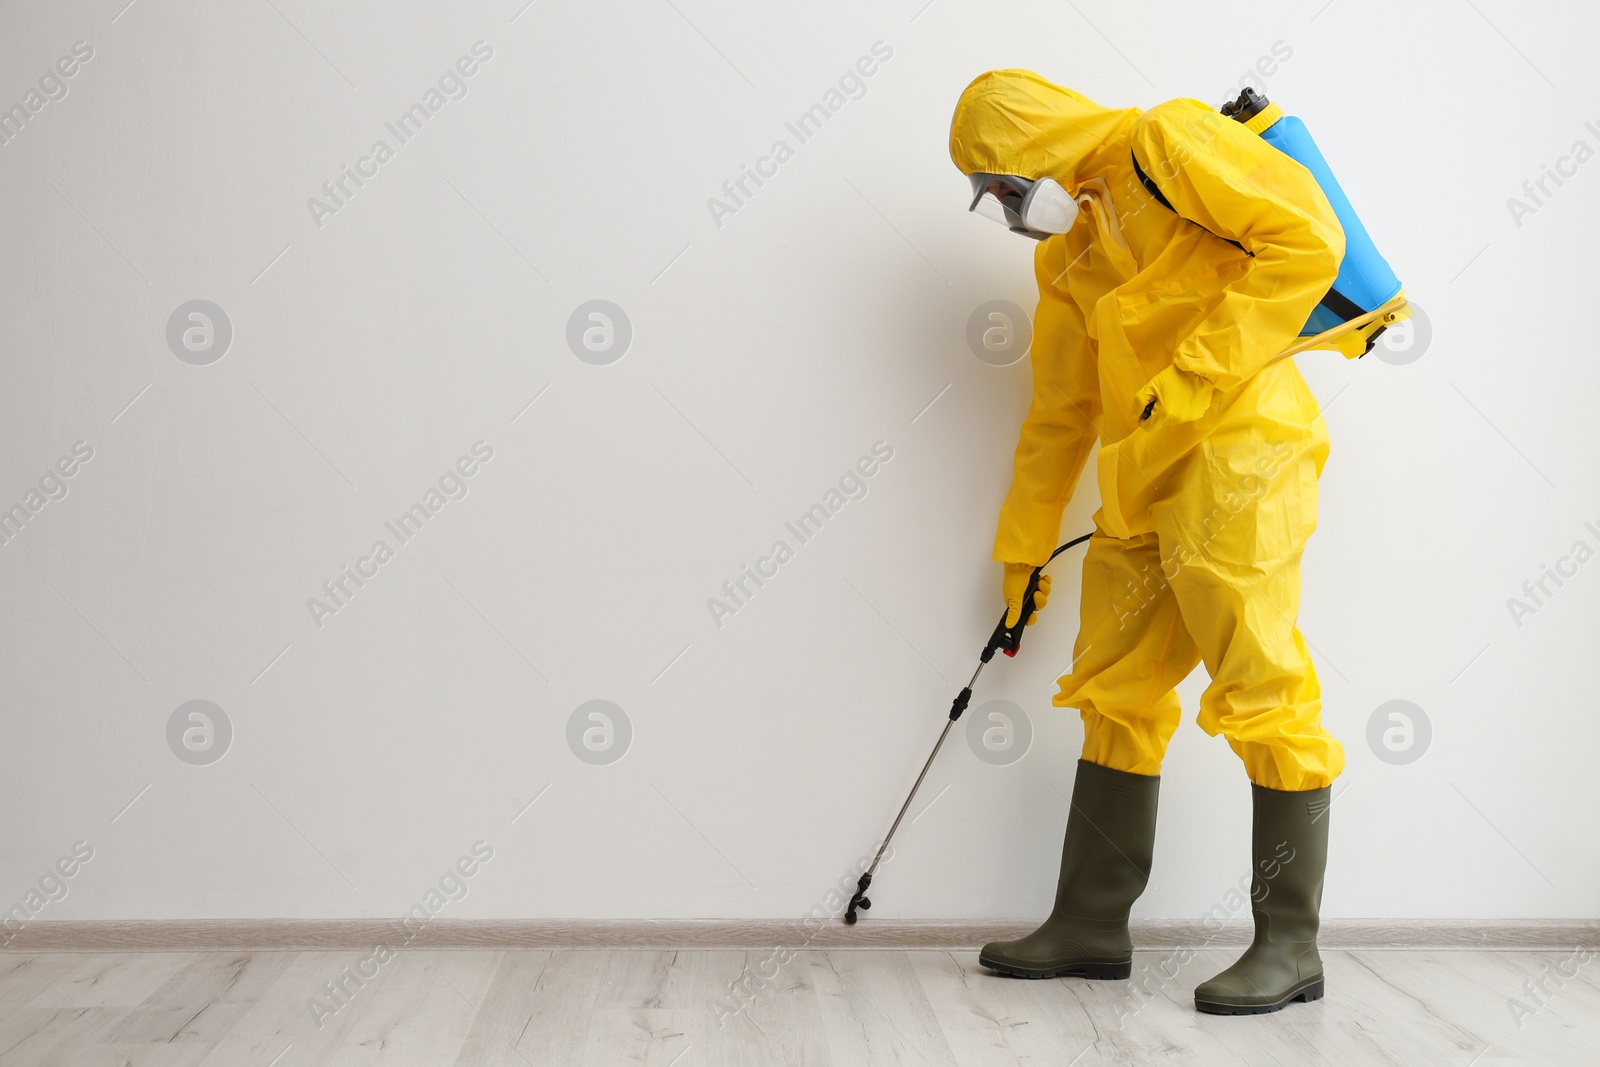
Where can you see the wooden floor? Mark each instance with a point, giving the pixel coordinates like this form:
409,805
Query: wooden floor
1455,1008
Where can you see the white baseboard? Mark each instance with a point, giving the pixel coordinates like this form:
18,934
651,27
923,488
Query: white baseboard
341,934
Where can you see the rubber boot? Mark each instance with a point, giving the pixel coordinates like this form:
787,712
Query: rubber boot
1289,846
1105,863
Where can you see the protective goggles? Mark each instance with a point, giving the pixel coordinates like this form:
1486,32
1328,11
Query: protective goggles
1036,208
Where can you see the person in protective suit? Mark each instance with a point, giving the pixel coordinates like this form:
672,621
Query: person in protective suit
1196,253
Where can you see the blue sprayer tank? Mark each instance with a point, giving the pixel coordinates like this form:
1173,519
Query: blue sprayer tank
1365,280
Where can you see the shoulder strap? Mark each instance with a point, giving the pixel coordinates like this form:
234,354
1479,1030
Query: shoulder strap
1342,306
1155,191
1150,186
1334,300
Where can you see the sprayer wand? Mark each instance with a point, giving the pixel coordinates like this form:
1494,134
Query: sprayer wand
1005,639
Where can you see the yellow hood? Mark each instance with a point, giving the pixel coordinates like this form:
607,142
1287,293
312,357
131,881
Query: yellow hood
1015,122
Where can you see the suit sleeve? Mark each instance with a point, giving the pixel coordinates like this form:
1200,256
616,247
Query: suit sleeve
1226,178
1059,431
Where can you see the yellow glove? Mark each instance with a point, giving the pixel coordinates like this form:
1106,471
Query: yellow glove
1014,586
1174,395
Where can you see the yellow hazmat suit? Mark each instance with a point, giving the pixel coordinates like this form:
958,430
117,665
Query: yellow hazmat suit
1207,504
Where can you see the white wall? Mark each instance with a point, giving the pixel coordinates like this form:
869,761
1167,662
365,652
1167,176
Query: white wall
768,354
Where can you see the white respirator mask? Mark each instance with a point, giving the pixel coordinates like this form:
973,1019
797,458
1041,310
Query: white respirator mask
1036,208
